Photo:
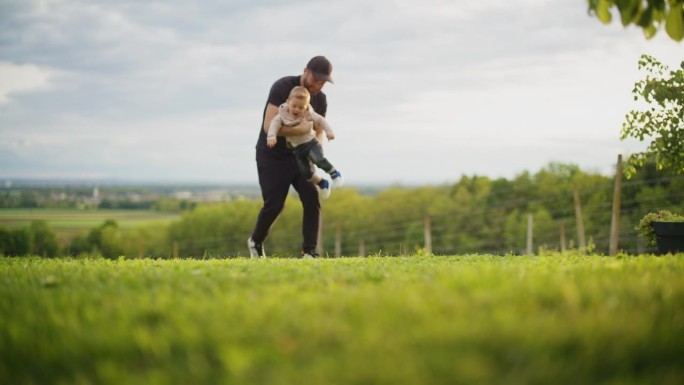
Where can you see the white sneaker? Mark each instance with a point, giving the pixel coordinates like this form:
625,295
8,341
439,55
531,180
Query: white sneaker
255,250
337,180
306,255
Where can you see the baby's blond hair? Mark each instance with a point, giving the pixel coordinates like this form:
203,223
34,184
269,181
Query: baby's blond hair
301,93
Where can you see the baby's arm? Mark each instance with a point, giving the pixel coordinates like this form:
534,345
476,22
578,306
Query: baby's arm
318,131
273,129
322,125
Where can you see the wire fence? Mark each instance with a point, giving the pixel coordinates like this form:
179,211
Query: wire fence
492,229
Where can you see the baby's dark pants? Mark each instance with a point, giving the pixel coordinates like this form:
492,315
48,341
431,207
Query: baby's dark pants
308,154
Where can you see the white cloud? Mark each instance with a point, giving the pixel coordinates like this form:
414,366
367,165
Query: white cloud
15,79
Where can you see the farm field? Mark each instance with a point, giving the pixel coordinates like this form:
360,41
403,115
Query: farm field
71,221
380,320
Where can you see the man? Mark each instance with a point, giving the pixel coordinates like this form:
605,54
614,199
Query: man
277,166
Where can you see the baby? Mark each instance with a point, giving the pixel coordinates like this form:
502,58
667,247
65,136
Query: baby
308,150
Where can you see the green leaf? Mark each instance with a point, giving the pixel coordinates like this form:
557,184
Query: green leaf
603,11
674,23
649,31
628,11
646,18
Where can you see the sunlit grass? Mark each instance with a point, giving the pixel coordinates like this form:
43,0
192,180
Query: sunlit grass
380,320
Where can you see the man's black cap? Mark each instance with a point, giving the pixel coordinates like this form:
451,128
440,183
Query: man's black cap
320,68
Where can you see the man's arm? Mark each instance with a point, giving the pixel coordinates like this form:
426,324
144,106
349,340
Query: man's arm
300,129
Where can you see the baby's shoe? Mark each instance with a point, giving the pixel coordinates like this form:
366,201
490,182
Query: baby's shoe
323,189
337,179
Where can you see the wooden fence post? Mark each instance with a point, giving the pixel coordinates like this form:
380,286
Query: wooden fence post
174,253
319,242
640,247
427,234
338,240
362,248
580,222
530,223
615,220
563,241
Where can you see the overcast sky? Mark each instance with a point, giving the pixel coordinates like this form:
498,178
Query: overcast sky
425,91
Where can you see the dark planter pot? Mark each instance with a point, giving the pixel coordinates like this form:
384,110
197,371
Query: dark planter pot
669,237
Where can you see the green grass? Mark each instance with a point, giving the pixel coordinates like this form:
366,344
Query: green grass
380,320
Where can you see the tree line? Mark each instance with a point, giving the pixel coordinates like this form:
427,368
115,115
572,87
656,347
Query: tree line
473,215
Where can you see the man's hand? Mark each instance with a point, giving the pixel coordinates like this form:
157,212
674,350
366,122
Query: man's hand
330,135
302,128
271,141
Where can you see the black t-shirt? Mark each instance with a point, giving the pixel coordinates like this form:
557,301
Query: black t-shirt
280,90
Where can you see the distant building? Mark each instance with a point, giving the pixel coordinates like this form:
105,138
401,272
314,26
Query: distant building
183,195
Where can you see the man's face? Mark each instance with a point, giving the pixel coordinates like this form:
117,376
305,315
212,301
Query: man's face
310,83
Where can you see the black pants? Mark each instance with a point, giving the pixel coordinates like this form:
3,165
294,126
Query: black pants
311,153
276,175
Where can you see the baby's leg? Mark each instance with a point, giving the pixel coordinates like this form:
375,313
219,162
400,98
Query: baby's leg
306,166
316,156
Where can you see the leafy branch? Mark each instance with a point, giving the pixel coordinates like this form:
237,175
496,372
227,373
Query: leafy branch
647,14
663,122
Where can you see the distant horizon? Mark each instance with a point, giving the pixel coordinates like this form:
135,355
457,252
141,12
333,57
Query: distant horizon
116,181
159,182
137,181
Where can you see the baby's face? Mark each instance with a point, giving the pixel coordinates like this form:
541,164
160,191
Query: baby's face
297,107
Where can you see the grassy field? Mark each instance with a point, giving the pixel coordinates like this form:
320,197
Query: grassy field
67,222
379,320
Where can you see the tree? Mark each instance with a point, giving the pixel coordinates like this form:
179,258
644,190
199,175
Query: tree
110,242
647,14
44,239
106,239
5,236
663,90
15,242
